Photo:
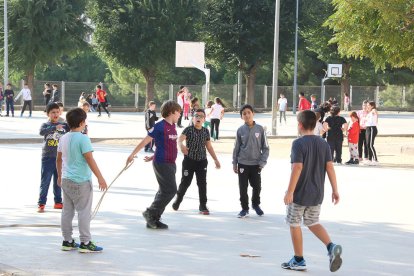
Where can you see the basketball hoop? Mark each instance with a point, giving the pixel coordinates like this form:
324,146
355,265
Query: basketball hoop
334,71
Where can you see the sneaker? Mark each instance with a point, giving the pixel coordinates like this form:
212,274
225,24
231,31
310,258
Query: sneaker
89,248
68,246
367,162
109,115
258,210
177,203
204,210
335,260
151,221
158,225
150,151
58,206
41,208
243,214
374,163
294,265
350,162
356,162
99,115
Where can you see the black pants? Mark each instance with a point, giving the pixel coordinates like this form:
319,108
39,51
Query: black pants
27,103
362,144
190,167
103,105
282,113
47,100
371,133
180,119
165,174
252,174
215,123
336,150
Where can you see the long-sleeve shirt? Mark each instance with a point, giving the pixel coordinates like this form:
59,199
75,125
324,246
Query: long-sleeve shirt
9,94
55,96
251,146
51,137
150,119
25,92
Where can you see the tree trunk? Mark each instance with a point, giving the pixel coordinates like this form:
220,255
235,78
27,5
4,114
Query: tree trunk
250,76
30,82
345,82
149,75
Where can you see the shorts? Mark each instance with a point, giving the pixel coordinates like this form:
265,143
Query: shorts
295,213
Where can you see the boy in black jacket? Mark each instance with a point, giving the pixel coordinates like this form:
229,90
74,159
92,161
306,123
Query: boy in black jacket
150,119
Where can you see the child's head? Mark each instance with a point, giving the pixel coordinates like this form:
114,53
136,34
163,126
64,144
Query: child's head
47,85
171,108
364,105
306,121
301,94
247,113
199,118
60,104
371,105
354,116
9,86
282,95
85,107
335,110
219,101
75,117
151,105
53,112
210,104
26,85
55,86
313,97
98,87
194,101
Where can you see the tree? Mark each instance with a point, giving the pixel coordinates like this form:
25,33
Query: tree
381,30
141,34
42,31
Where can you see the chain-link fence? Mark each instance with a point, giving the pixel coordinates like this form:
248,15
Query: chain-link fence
133,95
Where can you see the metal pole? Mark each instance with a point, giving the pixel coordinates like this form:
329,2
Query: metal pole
63,92
6,46
235,96
295,73
275,67
265,96
239,87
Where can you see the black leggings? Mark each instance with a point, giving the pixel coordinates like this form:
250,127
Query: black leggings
215,123
362,144
371,133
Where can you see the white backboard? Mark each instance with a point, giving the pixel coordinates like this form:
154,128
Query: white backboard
334,70
189,54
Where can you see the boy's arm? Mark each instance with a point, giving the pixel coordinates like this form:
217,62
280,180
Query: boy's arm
46,129
59,168
183,147
18,95
143,142
294,177
332,178
210,149
265,150
94,168
236,152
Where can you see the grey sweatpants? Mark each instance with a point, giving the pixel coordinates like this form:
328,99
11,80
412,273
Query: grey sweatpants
76,196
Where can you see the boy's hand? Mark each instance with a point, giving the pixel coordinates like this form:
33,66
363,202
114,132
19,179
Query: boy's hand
184,150
335,197
102,184
130,159
148,158
288,198
235,169
59,181
217,163
59,127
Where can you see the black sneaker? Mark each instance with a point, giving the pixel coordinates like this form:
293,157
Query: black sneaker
177,203
89,248
204,210
258,210
350,162
151,221
158,225
68,246
356,162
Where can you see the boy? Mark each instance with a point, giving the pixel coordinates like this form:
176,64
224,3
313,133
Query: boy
55,94
27,99
52,131
86,107
197,139
9,95
101,95
150,119
314,105
303,104
165,135
282,102
74,165
311,160
250,154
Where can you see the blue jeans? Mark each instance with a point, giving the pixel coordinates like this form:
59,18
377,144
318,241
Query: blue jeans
9,107
48,171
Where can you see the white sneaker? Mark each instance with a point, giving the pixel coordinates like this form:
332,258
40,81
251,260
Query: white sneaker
374,163
367,162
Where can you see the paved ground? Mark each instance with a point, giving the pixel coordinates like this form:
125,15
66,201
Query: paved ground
373,221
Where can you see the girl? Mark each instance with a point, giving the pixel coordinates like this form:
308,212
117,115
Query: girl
207,122
353,137
371,122
216,114
336,125
186,105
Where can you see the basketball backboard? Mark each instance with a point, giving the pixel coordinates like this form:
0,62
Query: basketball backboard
334,70
189,54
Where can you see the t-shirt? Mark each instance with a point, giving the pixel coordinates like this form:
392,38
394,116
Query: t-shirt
101,94
51,136
165,138
216,113
304,104
282,104
74,166
196,142
318,128
335,132
313,152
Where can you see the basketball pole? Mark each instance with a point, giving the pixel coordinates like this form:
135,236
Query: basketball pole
275,68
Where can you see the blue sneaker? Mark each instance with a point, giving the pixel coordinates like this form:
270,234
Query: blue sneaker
68,246
294,265
89,248
243,214
258,210
335,260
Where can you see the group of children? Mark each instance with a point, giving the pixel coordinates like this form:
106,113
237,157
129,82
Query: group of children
10,98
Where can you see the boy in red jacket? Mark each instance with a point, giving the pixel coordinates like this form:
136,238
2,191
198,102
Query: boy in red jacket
353,137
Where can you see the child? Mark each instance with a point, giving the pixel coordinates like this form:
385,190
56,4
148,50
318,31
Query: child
187,103
101,95
311,160
197,139
9,94
371,132
353,136
195,105
282,102
319,129
52,131
150,119
55,94
250,154
86,107
74,165
94,102
336,125
207,110
27,99
165,135
303,104
314,105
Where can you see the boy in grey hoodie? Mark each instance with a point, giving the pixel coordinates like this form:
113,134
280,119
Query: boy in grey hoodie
250,154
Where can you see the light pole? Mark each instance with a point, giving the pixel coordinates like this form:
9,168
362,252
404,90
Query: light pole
295,73
275,67
6,46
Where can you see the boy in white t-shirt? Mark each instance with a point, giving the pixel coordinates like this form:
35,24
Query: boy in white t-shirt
282,102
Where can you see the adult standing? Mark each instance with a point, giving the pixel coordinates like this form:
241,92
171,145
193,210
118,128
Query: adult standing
27,99
55,94
180,101
371,133
101,96
216,115
362,142
47,94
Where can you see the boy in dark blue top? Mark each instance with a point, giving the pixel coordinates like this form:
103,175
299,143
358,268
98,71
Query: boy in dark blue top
9,95
311,160
52,130
164,134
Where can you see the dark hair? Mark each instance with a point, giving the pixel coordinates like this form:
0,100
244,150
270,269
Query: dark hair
181,87
151,103
55,85
219,101
47,84
169,107
365,102
210,103
99,86
60,104
246,106
373,104
51,106
307,118
353,114
301,94
75,117
194,100
335,110
325,107
200,110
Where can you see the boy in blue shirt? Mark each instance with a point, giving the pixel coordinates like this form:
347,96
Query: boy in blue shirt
164,134
75,164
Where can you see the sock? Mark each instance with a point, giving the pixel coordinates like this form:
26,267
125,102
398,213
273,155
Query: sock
298,258
328,246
